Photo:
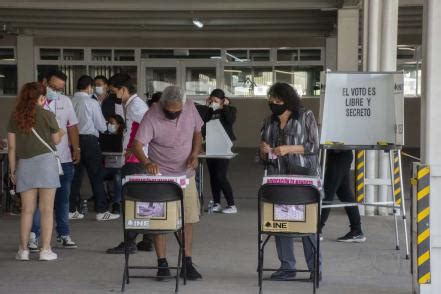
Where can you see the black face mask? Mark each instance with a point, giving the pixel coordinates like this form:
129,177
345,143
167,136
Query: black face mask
277,109
171,115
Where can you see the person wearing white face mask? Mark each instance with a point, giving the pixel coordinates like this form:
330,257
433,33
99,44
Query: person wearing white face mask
134,109
111,141
218,167
91,123
69,152
106,99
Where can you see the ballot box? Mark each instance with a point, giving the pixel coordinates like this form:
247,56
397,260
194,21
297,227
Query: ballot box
285,218
152,215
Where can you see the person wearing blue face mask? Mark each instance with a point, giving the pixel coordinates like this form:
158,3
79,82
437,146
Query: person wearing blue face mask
69,152
51,94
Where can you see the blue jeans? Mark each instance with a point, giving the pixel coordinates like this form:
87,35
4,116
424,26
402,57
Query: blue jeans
61,204
114,175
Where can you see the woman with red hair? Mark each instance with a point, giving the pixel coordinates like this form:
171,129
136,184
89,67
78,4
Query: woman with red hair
33,166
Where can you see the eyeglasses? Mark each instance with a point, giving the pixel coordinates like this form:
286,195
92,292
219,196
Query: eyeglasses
55,90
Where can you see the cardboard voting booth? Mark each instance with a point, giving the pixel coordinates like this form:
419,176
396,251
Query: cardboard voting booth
217,140
153,215
290,218
362,109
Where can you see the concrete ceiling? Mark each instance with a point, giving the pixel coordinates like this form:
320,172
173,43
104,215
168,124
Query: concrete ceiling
173,18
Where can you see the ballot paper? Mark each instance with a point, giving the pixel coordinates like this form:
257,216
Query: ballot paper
271,155
293,180
180,180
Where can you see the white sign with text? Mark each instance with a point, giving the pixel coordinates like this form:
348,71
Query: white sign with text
363,109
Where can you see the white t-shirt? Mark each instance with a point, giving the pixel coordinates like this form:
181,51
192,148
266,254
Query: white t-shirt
66,117
135,108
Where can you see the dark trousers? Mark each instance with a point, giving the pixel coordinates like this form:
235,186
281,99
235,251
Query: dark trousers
337,181
92,161
132,169
218,169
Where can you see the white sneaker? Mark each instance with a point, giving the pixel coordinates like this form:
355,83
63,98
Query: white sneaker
217,207
22,255
75,215
106,216
230,209
33,242
48,255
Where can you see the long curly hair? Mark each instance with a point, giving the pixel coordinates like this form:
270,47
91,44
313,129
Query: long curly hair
287,94
26,108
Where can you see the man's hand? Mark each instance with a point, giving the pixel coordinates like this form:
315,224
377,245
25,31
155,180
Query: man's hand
192,162
76,155
281,150
152,168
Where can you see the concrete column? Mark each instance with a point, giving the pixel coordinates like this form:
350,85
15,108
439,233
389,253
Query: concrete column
373,62
388,63
431,138
347,39
365,33
25,60
331,53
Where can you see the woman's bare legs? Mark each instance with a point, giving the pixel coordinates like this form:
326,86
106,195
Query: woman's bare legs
46,205
28,204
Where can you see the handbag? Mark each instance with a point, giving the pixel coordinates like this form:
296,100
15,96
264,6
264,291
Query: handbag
60,167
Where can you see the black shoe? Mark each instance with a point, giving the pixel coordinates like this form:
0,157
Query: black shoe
116,208
145,245
311,277
352,237
283,275
120,249
191,273
163,271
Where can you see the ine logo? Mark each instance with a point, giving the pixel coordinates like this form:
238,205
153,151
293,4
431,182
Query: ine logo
138,223
276,225
398,87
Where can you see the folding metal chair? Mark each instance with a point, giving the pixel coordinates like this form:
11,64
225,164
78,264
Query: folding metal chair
153,192
277,194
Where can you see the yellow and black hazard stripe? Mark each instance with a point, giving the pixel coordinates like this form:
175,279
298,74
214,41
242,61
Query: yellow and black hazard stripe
423,225
397,179
359,175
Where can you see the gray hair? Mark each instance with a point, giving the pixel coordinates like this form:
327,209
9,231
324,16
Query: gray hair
173,94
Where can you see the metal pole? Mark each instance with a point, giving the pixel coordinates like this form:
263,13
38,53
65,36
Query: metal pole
373,65
388,63
391,164
403,206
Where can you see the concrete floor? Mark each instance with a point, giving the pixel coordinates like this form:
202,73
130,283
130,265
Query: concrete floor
224,252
